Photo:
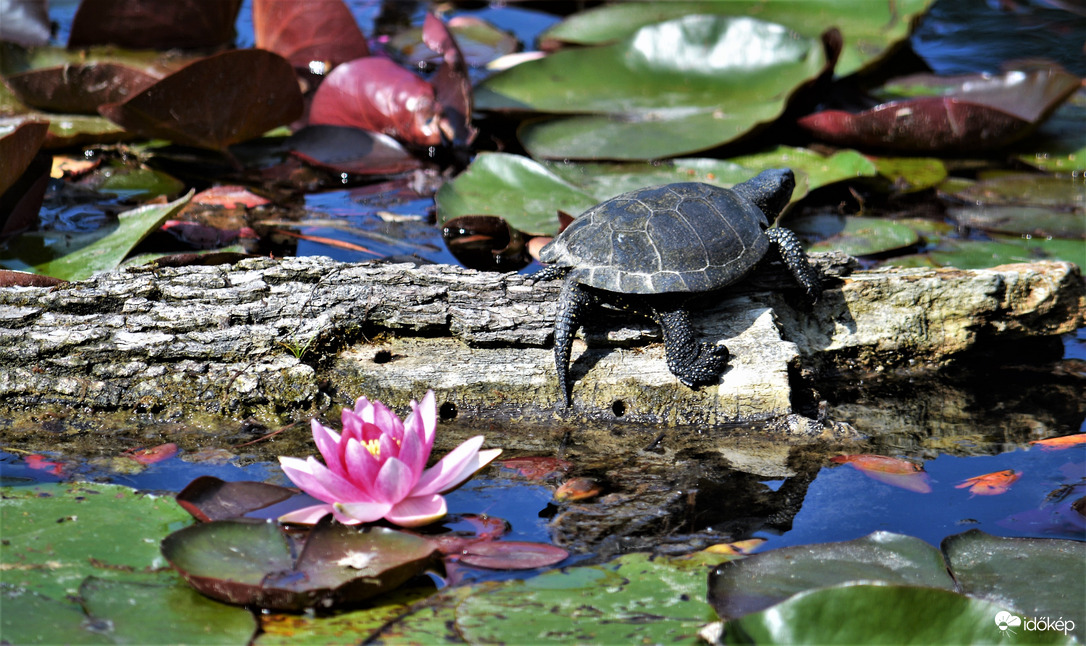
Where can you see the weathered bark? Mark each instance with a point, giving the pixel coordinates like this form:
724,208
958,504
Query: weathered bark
225,338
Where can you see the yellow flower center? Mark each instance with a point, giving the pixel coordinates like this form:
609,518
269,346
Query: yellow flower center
374,447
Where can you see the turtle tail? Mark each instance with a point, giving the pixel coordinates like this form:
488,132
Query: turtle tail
791,252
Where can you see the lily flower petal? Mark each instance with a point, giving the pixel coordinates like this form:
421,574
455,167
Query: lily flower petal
352,513
327,442
362,466
321,482
455,468
306,515
394,482
413,451
417,510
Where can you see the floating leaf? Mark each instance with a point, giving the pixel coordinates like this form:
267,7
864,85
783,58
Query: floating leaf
990,484
140,613
982,113
250,562
856,236
866,613
255,91
378,95
512,555
1037,577
670,88
485,242
1024,220
315,31
153,454
759,581
515,188
18,145
32,618
208,498
871,31
344,149
185,24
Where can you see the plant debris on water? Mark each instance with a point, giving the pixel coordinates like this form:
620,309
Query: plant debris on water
920,132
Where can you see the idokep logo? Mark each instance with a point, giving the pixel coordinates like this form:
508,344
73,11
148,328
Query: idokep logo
1007,622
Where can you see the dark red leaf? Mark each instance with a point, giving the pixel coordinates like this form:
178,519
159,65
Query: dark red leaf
314,30
343,149
485,242
17,149
452,86
512,555
378,95
9,278
215,102
208,498
576,489
139,24
79,89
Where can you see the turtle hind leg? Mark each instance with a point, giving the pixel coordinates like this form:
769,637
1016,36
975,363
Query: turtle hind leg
791,252
694,363
573,301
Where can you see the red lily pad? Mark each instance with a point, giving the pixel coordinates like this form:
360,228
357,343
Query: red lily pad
892,471
208,498
250,562
79,89
9,278
17,149
344,149
378,95
153,454
138,24
255,91
304,32
24,176
452,86
977,113
512,555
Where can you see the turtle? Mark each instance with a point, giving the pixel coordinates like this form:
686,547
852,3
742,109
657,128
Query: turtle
652,249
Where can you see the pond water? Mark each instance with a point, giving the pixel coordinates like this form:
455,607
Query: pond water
836,502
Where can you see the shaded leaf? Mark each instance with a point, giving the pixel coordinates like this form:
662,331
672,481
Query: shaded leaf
322,31
345,149
1038,577
79,89
137,24
208,498
485,242
1025,220
18,145
255,92
249,562
759,581
378,95
871,30
24,176
852,614
512,555
452,86
140,613
669,89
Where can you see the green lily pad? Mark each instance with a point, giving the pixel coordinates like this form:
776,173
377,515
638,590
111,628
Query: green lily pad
1020,189
1001,250
31,618
880,614
762,580
1038,577
1060,143
138,613
55,535
1037,221
818,170
870,30
604,180
139,183
911,174
101,251
668,89
523,192
856,236
252,562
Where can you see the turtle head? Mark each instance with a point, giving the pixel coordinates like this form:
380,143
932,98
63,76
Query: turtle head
769,190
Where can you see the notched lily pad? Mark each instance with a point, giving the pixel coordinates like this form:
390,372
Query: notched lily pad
208,498
252,562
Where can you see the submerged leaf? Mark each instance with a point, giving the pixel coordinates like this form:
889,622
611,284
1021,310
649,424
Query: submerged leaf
990,484
892,471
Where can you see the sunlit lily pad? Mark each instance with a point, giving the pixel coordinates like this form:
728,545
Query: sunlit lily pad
516,188
668,89
911,174
251,562
856,236
759,581
879,613
870,29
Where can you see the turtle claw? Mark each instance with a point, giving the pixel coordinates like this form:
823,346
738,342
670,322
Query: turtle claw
706,367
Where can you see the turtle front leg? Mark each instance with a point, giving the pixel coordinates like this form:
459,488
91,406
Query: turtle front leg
694,363
573,301
791,252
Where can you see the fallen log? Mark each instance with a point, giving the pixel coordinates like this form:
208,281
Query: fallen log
282,339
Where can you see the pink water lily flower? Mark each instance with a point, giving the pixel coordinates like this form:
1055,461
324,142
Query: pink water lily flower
377,467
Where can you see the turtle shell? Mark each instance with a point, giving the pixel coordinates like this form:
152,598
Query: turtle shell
687,237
